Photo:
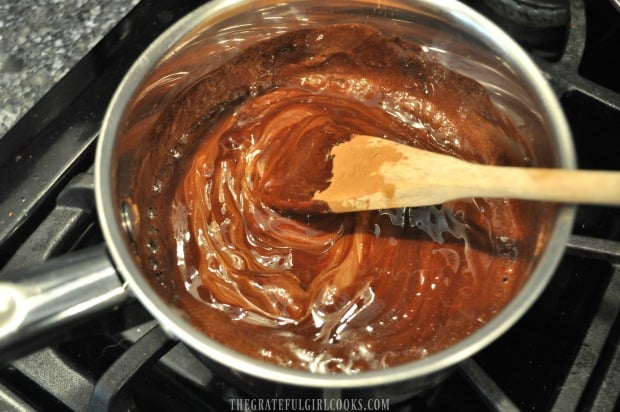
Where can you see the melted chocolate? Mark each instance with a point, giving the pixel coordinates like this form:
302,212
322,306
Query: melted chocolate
328,293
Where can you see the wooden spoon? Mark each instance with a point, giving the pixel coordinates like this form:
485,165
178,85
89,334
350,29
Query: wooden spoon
370,173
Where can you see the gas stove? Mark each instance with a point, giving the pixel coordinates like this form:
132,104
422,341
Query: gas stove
562,355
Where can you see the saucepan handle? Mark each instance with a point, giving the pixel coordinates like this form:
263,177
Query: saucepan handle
38,301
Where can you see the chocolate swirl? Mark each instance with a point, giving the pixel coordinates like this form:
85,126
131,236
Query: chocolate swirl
334,293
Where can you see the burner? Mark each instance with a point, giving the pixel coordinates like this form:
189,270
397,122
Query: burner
532,13
540,26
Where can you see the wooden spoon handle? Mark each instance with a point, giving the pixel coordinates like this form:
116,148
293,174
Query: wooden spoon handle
554,185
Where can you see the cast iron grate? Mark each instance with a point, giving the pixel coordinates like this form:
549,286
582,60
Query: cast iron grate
563,355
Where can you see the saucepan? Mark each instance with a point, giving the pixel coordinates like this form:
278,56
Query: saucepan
449,31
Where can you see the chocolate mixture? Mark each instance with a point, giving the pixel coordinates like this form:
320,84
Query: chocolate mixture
328,293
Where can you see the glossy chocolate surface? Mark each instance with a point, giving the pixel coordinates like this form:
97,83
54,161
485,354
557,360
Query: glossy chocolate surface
327,293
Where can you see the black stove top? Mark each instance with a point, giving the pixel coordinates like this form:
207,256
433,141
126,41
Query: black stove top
562,355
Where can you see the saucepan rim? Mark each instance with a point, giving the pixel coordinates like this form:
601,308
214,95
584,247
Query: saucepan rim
172,322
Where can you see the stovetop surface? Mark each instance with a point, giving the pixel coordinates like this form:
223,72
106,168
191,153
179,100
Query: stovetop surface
562,355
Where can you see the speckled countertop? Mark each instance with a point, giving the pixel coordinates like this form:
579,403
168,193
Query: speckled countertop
40,40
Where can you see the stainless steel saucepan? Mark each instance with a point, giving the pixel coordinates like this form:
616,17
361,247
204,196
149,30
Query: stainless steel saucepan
454,34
